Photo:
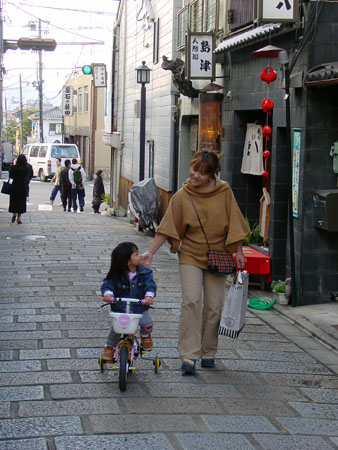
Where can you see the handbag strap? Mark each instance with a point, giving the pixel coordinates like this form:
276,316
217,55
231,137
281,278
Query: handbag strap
198,217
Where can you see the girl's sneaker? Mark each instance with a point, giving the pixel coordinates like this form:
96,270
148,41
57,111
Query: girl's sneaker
108,354
147,342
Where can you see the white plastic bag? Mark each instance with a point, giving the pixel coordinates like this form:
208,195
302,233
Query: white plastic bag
234,309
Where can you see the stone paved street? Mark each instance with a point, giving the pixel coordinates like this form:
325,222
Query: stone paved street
268,391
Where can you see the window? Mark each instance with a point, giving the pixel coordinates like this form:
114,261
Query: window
79,100
199,15
55,128
43,152
34,151
85,102
156,41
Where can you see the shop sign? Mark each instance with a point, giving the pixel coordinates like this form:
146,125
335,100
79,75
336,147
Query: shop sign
99,75
296,147
201,59
67,101
279,10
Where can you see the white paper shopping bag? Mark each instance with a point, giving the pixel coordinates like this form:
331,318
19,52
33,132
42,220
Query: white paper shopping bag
234,309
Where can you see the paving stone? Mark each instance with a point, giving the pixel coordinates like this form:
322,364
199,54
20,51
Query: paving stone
6,355
30,378
335,440
172,406
264,391
73,364
13,344
282,367
20,366
45,353
18,311
6,319
269,407
276,356
143,423
209,441
315,410
322,395
309,426
24,444
40,426
239,424
35,305
153,441
68,407
40,318
31,335
5,411
284,442
76,391
194,391
295,380
16,394
262,337
275,346
18,327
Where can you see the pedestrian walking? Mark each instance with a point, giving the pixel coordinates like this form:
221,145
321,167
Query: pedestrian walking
18,196
66,186
98,191
77,175
28,178
226,229
56,180
128,278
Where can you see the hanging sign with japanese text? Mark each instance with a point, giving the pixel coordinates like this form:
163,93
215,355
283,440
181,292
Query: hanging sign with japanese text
99,75
279,10
201,63
67,101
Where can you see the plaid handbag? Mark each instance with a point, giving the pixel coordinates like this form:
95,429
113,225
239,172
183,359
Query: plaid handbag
219,263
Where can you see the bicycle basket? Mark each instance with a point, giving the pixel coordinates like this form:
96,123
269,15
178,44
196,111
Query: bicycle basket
125,323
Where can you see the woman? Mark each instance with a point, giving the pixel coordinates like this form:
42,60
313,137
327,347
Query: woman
226,229
98,191
20,172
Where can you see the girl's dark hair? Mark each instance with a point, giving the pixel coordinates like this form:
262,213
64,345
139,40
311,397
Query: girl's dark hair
99,172
207,162
21,161
119,260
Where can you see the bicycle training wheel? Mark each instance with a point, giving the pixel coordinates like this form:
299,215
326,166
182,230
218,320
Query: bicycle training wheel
123,375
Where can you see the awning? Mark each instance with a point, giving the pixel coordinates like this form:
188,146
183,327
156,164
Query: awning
322,75
242,39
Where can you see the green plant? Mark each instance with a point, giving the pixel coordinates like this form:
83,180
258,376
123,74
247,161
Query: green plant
106,198
278,286
254,236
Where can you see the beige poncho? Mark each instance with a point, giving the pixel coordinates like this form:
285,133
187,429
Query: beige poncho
220,215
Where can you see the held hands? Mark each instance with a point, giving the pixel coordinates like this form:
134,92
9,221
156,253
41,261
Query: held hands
147,258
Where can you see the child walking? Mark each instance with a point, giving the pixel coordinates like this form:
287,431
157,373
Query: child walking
128,278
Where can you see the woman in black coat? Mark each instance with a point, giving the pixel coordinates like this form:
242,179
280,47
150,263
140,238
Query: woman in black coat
98,191
17,200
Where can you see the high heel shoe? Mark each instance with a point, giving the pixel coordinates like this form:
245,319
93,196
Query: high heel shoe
18,222
13,218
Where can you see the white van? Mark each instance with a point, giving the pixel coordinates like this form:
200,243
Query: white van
42,157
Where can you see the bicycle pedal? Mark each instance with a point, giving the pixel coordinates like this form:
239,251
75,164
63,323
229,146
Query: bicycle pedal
133,368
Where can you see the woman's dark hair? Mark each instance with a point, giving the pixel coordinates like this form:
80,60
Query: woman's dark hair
119,260
99,172
207,162
21,161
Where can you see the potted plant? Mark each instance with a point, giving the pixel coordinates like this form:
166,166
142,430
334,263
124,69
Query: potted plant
278,287
108,210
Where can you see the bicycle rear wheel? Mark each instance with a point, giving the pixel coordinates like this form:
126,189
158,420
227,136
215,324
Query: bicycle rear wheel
123,375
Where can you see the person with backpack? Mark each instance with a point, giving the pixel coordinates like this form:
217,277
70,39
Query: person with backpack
77,175
66,186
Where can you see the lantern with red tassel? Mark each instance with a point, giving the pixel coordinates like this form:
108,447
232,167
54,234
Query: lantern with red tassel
266,154
268,75
266,132
267,106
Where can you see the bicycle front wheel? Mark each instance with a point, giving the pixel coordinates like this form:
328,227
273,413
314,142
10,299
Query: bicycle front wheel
123,375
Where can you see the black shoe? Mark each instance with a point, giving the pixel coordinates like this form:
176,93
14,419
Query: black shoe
13,218
81,208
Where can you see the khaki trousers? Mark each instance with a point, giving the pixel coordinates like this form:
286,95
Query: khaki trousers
202,302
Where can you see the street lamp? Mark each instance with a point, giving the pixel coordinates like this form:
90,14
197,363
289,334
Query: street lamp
271,51
143,78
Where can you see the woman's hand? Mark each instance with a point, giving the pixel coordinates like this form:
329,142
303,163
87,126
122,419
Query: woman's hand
240,259
108,298
148,301
147,258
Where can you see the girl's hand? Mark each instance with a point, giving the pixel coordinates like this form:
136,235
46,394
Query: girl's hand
147,258
148,301
108,298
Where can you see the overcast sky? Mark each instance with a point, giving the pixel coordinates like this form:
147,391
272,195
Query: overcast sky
66,21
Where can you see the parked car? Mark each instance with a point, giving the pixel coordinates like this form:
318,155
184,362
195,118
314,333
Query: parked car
42,157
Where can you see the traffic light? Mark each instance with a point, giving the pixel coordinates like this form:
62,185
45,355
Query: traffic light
87,70
36,44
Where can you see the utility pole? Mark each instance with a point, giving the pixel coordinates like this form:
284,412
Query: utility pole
1,79
40,88
21,117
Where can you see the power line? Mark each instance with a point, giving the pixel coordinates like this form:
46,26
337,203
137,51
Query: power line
66,9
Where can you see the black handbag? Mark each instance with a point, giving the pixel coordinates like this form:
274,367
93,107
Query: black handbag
219,263
6,187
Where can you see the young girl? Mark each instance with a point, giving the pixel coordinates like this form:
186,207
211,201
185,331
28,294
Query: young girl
98,191
128,278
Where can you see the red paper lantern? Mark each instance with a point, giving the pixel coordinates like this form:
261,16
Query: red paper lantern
267,106
268,75
267,131
265,174
266,154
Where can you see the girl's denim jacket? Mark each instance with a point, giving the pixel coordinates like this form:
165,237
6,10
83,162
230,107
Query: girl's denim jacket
141,283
